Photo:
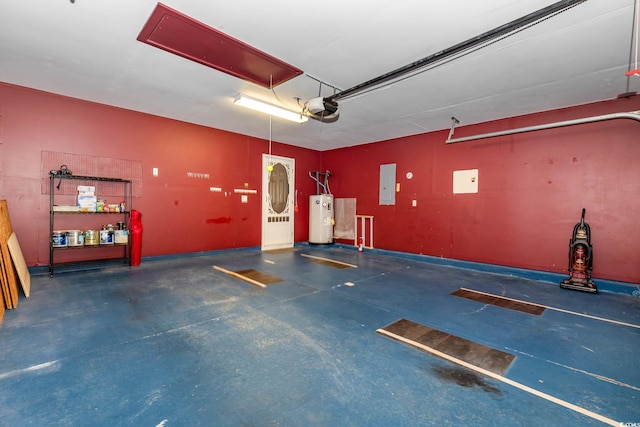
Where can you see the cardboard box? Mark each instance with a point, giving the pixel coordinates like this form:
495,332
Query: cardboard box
87,203
86,190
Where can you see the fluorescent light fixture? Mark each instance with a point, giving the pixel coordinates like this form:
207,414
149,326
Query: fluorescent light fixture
271,109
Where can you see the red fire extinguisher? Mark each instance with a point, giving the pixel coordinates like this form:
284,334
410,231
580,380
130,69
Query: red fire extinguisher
360,244
136,237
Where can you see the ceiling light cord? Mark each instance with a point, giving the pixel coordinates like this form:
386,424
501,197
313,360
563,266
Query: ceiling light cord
270,116
636,9
633,49
335,88
634,34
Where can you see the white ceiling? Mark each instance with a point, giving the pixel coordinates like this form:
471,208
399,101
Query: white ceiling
87,49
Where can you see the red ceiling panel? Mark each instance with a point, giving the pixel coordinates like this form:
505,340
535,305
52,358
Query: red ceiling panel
180,34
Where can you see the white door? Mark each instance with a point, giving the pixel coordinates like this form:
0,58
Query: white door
277,202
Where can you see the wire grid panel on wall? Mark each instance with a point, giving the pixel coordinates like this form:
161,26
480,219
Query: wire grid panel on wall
85,165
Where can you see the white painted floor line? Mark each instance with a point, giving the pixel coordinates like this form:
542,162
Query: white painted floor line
600,377
591,374
602,319
33,368
330,260
505,380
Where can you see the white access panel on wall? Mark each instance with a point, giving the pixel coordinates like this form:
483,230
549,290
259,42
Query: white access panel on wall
388,184
465,181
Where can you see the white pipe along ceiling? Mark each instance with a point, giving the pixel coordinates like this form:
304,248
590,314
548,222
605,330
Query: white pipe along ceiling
633,115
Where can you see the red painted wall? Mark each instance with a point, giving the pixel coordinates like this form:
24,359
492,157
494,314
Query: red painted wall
532,188
179,214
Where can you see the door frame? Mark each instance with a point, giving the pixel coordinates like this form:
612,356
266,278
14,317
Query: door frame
285,237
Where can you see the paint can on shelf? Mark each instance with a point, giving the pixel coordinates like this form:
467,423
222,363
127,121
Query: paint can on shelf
121,237
106,235
75,238
59,239
90,237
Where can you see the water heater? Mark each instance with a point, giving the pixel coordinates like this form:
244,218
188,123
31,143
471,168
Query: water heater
321,219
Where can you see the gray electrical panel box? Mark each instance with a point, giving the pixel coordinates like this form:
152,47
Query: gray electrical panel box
388,184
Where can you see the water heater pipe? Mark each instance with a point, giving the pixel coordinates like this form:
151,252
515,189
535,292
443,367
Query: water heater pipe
634,115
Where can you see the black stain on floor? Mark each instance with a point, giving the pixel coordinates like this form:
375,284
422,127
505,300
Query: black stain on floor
465,378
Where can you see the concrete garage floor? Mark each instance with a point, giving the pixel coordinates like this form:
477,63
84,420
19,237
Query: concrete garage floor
175,342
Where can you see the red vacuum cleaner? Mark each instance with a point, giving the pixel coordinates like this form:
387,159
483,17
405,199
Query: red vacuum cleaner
580,259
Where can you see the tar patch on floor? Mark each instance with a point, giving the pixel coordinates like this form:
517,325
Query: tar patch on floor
258,276
428,339
280,251
329,263
465,378
499,301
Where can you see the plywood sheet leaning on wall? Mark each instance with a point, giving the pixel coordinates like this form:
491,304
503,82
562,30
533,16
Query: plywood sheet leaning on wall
2,286
20,264
5,299
10,291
